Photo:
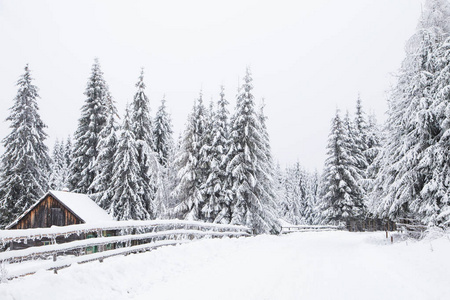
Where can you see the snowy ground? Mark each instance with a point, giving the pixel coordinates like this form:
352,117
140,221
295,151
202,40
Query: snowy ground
323,265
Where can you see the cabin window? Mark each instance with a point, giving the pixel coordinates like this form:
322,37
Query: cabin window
57,216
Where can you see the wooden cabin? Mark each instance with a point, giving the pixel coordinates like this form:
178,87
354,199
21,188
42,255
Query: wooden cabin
59,208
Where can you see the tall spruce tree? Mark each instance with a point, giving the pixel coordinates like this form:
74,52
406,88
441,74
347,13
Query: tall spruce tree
252,202
94,114
141,124
407,163
68,158
163,134
164,148
266,172
104,163
208,162
58,167
25,162
189,162
313,190
361,136
342,196
127,201
295,195
218,198
433,206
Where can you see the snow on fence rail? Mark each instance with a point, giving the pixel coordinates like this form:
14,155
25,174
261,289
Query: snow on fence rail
411,227
134,236
306,228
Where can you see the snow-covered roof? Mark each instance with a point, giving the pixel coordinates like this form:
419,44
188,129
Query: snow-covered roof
82,206
79,204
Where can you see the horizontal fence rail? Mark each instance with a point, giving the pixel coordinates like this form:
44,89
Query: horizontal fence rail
308,228
129,237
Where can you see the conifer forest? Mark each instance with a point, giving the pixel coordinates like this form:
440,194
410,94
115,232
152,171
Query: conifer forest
225,150
220,169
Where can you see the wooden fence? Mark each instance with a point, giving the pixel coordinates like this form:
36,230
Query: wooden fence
411,227
93,244
309,228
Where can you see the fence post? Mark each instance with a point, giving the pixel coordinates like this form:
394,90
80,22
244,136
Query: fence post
55,271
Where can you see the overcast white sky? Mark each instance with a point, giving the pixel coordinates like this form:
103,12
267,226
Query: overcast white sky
307,57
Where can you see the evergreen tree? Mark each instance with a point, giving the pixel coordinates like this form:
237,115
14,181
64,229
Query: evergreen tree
68,157
407,164
25,162
57,168
432,207
253,197
189,165
104,164
147,159
313,213
361,137
342,199
295,195
218,198
93,119
208,162
266,174
300,193
356,141
162,134
164,148
374,142
127,201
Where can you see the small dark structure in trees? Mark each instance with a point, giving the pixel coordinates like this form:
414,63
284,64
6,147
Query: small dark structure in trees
370,224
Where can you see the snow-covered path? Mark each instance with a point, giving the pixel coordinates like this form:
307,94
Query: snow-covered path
325,265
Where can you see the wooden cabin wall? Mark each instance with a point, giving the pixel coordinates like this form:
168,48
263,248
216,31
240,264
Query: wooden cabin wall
47,213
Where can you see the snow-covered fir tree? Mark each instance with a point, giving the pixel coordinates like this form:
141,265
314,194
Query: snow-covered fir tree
266,173
164,148
356,140
374,140
25,161
313,216
94,114
207,162
218,198
342,195
68,158
433,205
58,167
295,195
407,185
360,136
163,134
104,163
127,201
299,195
253,203
141,124
189,164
